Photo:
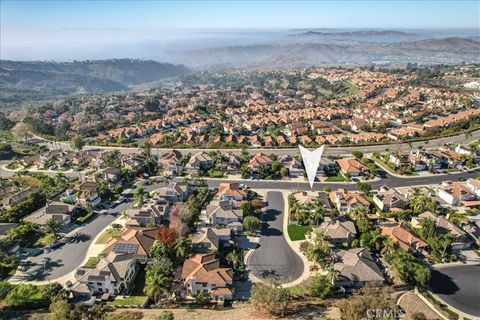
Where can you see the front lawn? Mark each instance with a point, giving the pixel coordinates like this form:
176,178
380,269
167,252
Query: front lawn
337,178
91,262
45,240
107,235
297,232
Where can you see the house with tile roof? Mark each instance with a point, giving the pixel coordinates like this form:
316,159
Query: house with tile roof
137,241
337,230
346,201
258,161
199,161
403,237
202,273
388,199
114,274
443,226
457,194
357,267
352,167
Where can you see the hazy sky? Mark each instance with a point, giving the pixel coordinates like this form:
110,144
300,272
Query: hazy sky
239,14
82,29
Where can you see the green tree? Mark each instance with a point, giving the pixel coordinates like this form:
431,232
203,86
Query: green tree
319,286
202,298
251,224
59,310
138,196
357,154
234,258
77,142
248,208
52,226
364,187
158,278
165,315
271,297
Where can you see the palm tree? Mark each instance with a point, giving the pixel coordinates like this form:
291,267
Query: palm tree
389,245
316,215
139,197
156,285
234,258
52,226
182,247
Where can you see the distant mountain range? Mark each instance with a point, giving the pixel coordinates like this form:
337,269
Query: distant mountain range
430,51
361,33
32,81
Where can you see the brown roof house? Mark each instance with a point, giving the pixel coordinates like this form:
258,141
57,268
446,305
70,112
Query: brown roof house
133,240
388,199
403,237
202,273
114,274
337,231
443,225
346,201
352,167
356,267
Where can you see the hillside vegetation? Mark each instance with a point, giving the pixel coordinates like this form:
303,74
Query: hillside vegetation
34,81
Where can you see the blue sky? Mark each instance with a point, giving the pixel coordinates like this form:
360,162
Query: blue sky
17,14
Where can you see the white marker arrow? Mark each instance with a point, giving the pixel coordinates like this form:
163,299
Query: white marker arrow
311,161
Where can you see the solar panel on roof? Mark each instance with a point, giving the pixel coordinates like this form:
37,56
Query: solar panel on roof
125,247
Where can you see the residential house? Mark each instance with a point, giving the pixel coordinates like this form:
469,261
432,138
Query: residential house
444,226
200,161
338,231
223,214
114,274
456,194
171,162
403,237
352,167
111,175
137,241
86,193
258,161
328,167
346,201
474,186
308,197
388,199
19,197
295,168
202,273
174,192
357,267
232,193
210,239
152,213
57,211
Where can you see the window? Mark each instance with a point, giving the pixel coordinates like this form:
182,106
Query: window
99,284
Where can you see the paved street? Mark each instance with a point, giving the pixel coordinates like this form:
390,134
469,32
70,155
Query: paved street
458,286
55,263
389,180
329,150
274,257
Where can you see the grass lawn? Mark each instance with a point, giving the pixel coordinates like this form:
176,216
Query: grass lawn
297,232
337,178
91,262
296,291
107,235
137,297
45,240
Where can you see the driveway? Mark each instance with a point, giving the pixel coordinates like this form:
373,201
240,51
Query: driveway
58,262
274,258
458,286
